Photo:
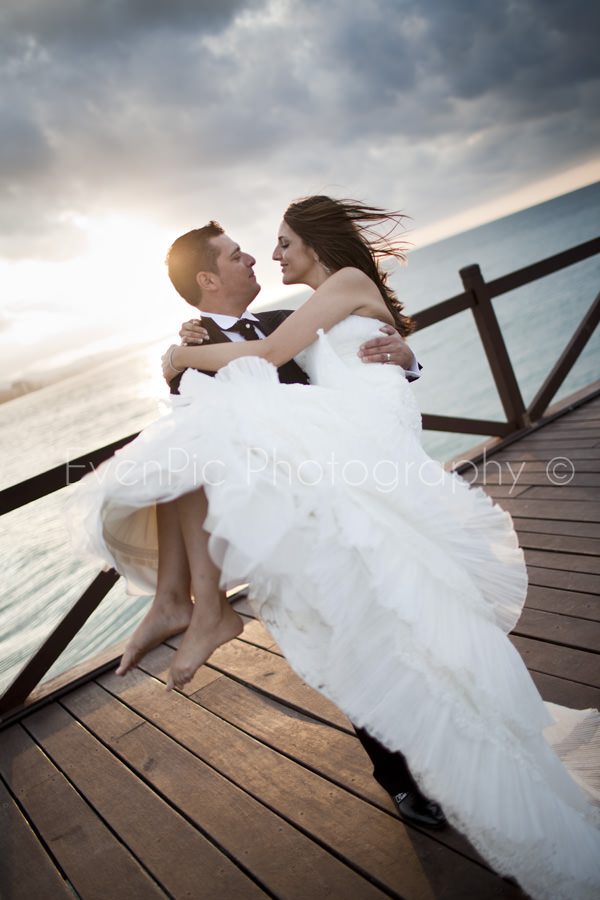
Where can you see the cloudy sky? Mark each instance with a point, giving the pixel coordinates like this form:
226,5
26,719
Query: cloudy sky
127,122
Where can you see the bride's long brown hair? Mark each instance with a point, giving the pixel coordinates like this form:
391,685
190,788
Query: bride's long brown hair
343,233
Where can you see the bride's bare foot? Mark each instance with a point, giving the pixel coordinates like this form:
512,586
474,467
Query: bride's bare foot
166,617
202,638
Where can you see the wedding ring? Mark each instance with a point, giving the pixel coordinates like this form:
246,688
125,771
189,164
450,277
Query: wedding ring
388,357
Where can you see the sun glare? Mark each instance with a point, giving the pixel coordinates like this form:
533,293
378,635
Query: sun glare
114,293
124,265
120,276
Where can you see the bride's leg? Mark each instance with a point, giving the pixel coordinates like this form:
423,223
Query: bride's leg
213,622
172,607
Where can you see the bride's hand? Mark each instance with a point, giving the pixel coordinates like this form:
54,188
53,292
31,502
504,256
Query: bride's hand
169,365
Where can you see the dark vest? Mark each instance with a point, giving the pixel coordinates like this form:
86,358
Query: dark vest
289,373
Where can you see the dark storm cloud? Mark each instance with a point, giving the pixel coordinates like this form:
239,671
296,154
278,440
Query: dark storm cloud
85,23
525,57
145,104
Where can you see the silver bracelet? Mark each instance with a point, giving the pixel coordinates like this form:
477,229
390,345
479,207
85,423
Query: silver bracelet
171,364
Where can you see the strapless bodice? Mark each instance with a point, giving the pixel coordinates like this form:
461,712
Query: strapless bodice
342,342
332,361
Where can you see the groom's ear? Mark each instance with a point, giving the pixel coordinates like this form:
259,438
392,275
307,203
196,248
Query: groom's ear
207,281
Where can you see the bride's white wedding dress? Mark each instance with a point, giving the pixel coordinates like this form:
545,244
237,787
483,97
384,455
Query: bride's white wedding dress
389,584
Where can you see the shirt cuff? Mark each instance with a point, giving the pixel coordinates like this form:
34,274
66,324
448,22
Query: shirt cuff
413,371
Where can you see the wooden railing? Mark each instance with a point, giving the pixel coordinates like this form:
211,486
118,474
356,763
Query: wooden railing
477,296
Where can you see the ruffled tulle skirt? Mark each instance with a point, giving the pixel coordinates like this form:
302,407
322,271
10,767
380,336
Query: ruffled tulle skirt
390,586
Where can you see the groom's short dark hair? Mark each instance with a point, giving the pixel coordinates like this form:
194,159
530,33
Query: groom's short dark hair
189,254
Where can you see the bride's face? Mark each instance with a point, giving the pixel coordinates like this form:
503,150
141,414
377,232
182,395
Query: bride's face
298,261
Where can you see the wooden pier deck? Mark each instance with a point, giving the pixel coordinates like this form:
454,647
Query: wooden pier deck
249,784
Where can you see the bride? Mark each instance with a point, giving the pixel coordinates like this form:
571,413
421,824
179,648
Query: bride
389,583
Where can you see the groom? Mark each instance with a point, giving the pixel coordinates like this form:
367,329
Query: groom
211,272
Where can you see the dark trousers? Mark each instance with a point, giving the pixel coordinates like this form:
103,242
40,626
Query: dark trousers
389,769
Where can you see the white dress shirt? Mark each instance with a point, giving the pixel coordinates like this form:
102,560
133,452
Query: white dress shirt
225,322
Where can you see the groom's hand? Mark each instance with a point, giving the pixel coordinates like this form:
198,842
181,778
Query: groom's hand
192,332
391,349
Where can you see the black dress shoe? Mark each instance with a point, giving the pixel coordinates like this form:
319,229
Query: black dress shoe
415,809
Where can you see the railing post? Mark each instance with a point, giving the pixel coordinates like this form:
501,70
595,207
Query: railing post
566,361
34,670
495,348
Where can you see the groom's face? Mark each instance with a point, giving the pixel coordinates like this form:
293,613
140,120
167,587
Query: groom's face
235,270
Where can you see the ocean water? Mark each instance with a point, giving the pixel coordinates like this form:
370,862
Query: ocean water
41,579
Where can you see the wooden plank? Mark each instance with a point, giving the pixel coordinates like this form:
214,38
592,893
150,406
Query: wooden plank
94,861
589,402
589,409
66,681
560,446
589,405
569,423
523,474
568,603
560,492
559,432
545,437
565,692
256,633
337,756
572,562
544,453
26,870
187,865
574,665
559,629
376,844
489,468
563,543
334,754
569,510
556,526
581,582
588,412
77,673
244,827
272,675
583,437
159,660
